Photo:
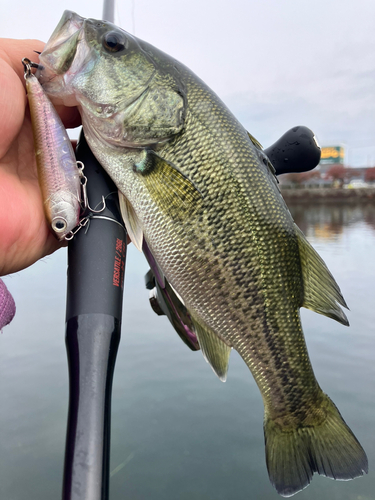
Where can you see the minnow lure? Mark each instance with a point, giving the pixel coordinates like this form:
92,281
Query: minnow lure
58,173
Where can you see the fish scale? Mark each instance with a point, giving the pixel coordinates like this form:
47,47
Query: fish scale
259,199
198,189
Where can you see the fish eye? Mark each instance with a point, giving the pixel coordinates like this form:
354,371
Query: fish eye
114,41
59,224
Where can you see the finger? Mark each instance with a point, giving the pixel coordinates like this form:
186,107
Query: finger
13,51
12,106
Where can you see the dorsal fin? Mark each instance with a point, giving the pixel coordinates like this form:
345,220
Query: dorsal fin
321,293
214,350
256,143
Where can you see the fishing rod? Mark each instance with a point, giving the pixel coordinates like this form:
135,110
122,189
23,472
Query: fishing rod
96,266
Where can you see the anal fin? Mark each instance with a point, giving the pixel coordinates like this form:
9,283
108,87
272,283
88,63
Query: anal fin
214,350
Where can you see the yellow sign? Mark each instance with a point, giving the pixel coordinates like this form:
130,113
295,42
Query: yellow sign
332,155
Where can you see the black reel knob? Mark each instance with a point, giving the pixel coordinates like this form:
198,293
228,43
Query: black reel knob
296,151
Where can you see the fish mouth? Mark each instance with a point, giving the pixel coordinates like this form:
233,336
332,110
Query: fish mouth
59,52
68,25
63,54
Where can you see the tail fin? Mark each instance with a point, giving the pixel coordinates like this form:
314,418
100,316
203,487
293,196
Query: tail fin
329,448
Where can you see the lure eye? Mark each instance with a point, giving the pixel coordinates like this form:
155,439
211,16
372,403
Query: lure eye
59,225
114,41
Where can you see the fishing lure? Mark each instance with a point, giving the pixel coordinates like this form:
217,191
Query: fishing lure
60,177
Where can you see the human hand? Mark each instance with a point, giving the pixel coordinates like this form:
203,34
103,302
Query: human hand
25,236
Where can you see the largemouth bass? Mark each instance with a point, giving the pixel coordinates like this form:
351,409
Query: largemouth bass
199,190
58,175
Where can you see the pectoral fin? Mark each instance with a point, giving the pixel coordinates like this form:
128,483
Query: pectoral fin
214,350
170,189
321,293
132,223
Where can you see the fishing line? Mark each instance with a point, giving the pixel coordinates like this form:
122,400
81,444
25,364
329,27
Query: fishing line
107,218
133,15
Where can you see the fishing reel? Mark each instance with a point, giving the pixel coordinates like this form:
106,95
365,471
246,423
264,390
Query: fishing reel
296,151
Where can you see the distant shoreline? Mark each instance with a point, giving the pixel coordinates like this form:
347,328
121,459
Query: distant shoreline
328,195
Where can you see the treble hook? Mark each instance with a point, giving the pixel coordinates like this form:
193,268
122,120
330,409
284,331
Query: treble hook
85,200
98,211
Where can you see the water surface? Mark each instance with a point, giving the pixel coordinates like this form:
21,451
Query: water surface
177,431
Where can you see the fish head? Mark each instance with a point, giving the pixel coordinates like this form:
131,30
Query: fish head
62,212
120,83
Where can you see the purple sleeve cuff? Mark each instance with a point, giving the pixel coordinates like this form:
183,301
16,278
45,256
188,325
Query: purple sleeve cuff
7,305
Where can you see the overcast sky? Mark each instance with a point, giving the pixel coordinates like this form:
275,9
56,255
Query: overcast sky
276,64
